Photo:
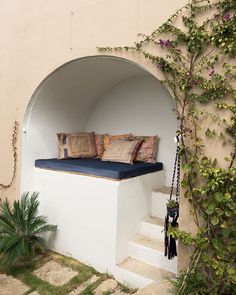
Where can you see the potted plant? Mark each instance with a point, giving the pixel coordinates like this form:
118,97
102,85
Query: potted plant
172,208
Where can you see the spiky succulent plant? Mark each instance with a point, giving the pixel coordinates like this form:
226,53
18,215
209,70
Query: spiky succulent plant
20,230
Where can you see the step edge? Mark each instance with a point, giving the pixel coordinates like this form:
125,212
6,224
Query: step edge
168,268
165,190
151,265
135,277
147,248
159,243
158,222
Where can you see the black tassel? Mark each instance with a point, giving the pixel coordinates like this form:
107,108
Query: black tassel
166,236
170,242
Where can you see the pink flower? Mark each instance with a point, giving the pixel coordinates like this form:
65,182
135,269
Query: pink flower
212,72
226,16
164,42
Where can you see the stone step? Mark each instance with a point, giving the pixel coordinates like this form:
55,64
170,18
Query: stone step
164,288
129,278
158,202
146,270
151,251
165,190
152,227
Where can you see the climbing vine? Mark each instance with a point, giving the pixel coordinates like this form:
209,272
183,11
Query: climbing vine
14,150
196,62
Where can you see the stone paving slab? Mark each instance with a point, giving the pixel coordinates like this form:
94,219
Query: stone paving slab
11,286
156,289
55,273
119,292
79,289
107,285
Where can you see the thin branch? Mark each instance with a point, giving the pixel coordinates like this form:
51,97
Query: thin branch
14,149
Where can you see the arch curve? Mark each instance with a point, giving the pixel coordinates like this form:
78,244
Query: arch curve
103,93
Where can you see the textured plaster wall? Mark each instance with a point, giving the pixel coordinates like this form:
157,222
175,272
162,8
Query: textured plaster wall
39,36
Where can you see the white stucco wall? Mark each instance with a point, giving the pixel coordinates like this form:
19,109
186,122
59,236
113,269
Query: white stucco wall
101,94
39,36
142,106
93,214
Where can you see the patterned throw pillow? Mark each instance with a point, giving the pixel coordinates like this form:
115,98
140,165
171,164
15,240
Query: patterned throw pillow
76,145
108,138
99,143
123,151
147,151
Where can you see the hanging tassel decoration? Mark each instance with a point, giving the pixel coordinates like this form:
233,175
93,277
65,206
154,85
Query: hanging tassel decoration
170,242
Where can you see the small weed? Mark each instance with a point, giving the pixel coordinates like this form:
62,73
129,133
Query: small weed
124,288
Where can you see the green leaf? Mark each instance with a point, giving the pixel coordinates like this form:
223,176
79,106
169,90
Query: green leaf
231,271
217,243
219,197
187,167
215,220
209,211
184,183
212,205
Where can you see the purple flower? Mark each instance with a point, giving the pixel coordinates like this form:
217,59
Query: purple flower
226,16
196,82
164,42
212,72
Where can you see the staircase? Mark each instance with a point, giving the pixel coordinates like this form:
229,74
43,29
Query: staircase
146,262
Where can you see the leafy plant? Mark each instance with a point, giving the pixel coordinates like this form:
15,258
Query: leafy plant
20,230
197,67
172,204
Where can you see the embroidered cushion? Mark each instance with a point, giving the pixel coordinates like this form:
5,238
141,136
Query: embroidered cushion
123,151
76,145
99,143
108,138
147,151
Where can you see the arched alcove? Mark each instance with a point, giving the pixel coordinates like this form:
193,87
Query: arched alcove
102,94
97,216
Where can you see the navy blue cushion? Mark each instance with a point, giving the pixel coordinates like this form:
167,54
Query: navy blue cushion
100,168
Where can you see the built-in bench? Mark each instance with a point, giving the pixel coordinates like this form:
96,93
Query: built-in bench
96,216
96,167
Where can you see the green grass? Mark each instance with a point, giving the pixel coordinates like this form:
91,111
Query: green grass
44,288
